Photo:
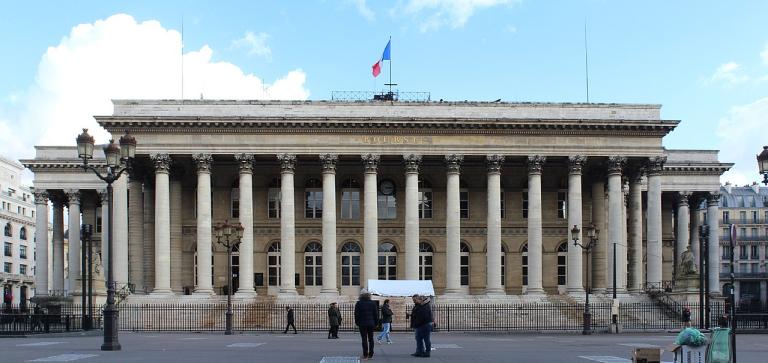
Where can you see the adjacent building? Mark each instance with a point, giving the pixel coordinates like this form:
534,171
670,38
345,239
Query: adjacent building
478,197
17,219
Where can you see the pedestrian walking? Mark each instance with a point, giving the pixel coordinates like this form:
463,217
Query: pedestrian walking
334,320
386,322
289,318
421,322
366,318
686,317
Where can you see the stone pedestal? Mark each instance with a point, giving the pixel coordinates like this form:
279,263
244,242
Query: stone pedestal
688,284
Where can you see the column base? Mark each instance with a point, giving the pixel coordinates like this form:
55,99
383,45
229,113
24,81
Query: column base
575,292
162,292
495,291
290,291
535,291
245,294
203,291
330,292
453,291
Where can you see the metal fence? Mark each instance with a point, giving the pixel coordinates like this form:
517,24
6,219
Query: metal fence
532,317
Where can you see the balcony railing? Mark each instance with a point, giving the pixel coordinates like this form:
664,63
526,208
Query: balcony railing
745,275
745,238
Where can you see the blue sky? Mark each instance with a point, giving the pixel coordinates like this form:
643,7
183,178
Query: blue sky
706,62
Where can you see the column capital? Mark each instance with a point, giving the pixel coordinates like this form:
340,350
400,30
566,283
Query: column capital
713,199
287,162
203,162
73,196
655,165
329,162
576,163
453,162
161,162
616,164
370,162
493,163
682,199
41,196
245,163
56,200
536,163
412,163
635,175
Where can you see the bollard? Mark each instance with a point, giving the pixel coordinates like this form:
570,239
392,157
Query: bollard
66,323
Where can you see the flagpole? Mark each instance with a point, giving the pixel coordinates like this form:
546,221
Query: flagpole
390,65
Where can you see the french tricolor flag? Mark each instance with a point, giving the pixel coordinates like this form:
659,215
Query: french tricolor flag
384,56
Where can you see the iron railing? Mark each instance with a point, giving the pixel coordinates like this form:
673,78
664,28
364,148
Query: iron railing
21,319
395,95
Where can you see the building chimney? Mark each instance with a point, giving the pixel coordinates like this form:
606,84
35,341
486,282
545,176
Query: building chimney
756,187
728,187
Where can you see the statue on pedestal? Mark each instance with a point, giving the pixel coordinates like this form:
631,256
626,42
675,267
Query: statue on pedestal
687,264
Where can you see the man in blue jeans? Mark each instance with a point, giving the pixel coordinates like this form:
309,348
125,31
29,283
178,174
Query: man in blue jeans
421,322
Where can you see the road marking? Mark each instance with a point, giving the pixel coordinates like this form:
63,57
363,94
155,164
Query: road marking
640,345
64,358
445,346
605,359
244,345
340,360
194,338
38,344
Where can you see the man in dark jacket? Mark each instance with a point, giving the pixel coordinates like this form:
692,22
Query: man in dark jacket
289,317
421,322
334,320
366,318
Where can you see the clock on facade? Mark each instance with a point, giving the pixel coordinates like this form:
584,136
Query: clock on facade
387,187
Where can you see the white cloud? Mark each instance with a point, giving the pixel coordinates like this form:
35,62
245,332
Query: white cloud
729,73
742,136
764,55
364,10
453,13
119,58
256,44
510,29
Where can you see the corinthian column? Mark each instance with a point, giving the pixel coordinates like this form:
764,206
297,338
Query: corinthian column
535,165
453,225
136,234
653,244
412,163
713,257
162,163
636,231
204,248
493,236
599,255
329,224
683,220
287,225
574,280
58,245
615,223
370,219
120,235
73,195
41,243
245,163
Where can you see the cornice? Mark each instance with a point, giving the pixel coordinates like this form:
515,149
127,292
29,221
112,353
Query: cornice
713,169
35,165
384,125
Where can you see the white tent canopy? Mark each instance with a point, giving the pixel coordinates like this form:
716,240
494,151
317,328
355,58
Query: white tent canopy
401,287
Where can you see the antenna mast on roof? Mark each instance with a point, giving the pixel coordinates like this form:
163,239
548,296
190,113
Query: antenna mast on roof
586,58
182,59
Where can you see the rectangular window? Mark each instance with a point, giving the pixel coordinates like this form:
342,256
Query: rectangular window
743,216
350,204
273,204
22,269
754,236
464,270
726,217
726,252
503,206
705,218
525,270
234,207
314,206
754,252
562,205
387,206
7,267
425,204
561,270
98,222
754,217
739,201
743,252
742,232
23,252
464,204
525,206
8,250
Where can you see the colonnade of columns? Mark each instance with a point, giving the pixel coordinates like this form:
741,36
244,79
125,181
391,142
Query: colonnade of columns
150,236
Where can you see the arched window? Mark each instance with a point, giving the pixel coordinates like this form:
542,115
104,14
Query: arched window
463,200
425,199
350,199
524,253
273,264
23,233
426,252
8,232
503,265
313,264
387,261
562,257
234,197
273,198
464,258
313,195
350,264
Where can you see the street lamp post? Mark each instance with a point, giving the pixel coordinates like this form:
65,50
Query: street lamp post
703,287
229,235
762,164
118,160
592,233
86,232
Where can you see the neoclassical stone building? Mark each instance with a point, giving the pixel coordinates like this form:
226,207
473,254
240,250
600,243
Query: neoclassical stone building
478,197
